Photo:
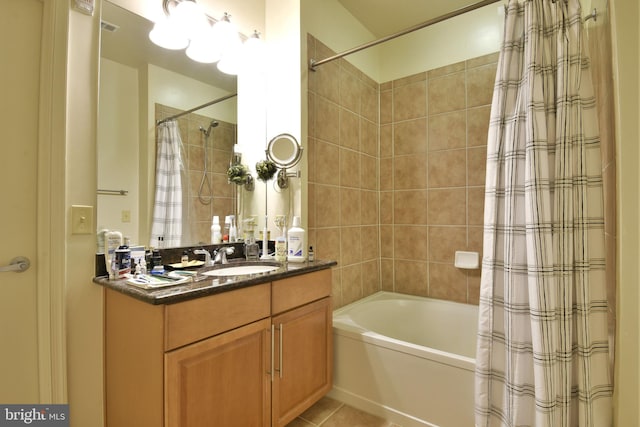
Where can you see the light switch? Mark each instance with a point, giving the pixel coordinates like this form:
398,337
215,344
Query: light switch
126,216
81,219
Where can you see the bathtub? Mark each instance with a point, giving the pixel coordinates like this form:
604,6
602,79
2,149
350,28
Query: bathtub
408,359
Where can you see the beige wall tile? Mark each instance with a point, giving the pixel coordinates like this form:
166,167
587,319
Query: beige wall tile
414,78
349,168
477,165
368,172
480,82
349,92
369,239
311,209
351,283
490,58
476,205
410,101
386,241
410,207
328,243
327,113
350,245
369,207
445,241
386,207
446,93
386,274
447,206
327,76
386,140
410,137
370,277
478,125
369,103
447,69
473,286
411,242
447,282
475,235
327,163
410,172
349,130
310,150
368,137
386,174
411,277
327,206
447,131
447,168
350,212
386,107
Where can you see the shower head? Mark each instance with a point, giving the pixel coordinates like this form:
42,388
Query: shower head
214,123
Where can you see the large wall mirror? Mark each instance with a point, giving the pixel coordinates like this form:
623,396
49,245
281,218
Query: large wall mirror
141,83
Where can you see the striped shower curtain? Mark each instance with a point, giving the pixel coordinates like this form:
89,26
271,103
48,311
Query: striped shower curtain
542,355
167,208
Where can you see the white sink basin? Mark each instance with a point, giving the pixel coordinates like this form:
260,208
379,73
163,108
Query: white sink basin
240,270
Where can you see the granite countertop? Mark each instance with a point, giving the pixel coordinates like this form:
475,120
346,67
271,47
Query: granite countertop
206,285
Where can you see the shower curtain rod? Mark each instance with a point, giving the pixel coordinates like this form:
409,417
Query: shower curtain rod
199,107
313,63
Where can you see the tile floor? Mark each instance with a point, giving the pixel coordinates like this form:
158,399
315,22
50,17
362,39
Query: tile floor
332,413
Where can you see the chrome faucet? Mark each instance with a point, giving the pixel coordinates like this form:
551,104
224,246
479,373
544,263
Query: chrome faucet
207,256
220,256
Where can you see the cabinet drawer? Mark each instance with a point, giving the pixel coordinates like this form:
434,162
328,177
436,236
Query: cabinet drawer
296,291
193,320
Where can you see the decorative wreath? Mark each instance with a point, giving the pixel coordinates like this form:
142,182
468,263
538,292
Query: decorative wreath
266,169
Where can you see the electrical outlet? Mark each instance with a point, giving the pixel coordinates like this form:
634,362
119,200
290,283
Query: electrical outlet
125,216
81,219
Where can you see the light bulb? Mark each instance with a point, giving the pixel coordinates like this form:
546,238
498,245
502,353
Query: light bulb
189,18
166,35
204,48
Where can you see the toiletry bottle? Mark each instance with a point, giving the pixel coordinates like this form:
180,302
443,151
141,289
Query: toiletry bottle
251,248
227,227
281,247
216,235
295,242
233,231
184,260
311,255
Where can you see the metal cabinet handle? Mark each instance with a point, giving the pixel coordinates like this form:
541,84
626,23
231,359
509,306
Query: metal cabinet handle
280,350
272,351
18,265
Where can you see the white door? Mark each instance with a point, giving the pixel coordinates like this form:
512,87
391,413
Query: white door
20,50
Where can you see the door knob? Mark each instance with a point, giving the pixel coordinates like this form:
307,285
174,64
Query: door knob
18,264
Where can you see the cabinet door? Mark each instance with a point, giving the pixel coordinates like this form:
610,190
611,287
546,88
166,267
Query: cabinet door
303,359
221,381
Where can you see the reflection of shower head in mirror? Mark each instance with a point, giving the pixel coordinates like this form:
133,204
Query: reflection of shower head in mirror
207,132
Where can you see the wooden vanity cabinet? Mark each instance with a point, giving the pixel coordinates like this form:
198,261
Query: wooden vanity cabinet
303,344
208,361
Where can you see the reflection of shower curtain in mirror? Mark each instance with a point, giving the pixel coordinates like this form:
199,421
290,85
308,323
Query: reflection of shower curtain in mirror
167,208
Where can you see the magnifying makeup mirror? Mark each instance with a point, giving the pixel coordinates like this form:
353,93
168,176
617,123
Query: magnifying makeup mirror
285,151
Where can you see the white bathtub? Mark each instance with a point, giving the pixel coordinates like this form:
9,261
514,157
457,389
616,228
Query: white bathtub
408,359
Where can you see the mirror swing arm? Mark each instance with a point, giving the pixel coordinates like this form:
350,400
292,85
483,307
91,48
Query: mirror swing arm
285,151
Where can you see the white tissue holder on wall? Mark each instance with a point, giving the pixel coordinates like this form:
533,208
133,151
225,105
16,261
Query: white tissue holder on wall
467,260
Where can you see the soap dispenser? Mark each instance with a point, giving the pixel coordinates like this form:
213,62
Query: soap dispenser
295,242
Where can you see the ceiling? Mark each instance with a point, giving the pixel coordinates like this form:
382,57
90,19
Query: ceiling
130,43
385,17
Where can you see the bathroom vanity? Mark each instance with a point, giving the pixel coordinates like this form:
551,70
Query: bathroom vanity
238,351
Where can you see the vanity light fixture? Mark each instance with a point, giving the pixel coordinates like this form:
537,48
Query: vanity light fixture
207,40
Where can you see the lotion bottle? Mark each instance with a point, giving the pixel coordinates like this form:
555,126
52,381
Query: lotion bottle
295,243
216,235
